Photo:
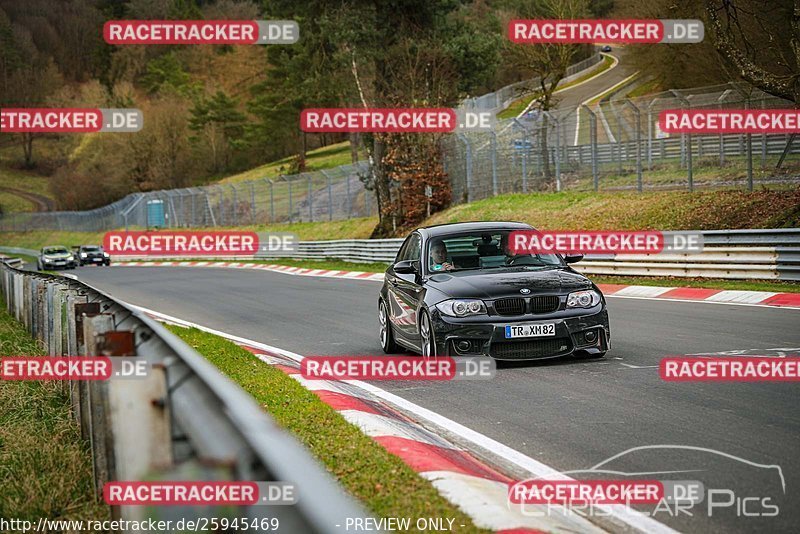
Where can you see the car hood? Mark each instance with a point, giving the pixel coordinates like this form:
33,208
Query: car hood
58,256
490,285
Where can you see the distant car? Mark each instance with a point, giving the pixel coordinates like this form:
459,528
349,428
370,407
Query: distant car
93,255
457,290
55,257
606,48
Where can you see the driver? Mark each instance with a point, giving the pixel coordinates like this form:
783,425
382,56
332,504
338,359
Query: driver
439,257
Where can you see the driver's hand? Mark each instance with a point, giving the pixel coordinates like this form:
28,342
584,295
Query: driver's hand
447,266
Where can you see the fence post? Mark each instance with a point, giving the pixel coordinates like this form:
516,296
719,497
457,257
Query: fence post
234,206
291,208
638,138
252,202
310,199
330,194
650,134
494,162
749,152
687,105
468,155
593,145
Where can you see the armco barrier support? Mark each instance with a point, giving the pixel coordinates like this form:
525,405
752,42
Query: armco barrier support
184,417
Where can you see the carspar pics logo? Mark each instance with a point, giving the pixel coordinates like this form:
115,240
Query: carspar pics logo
662,481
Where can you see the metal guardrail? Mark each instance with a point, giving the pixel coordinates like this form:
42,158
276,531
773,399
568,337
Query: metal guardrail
732,254
184,421
749,254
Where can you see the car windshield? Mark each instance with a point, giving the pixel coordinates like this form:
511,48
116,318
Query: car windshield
55,250
482,250
91,249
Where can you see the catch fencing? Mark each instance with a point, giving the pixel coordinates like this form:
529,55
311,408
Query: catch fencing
732,254
184,421
325,195
498,100
615,143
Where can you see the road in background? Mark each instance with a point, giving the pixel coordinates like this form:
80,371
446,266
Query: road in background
569,414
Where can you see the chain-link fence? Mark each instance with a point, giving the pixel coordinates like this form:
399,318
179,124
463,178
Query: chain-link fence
500,99
325,195
615,143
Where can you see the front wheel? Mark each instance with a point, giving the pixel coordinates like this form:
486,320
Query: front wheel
387,335
426,335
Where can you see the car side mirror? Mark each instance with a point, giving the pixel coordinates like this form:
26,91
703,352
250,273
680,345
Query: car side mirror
573,258
406,267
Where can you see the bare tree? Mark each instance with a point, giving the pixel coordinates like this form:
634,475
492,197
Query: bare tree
547,62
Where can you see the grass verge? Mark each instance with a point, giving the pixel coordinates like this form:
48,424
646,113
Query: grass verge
44,464
325,157
386,485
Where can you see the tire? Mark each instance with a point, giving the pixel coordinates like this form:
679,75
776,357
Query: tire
39,266
388,343
428,340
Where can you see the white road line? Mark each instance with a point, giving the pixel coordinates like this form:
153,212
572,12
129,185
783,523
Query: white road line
578,109
536,469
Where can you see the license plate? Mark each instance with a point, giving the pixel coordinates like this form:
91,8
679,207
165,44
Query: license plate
61,263
98,260
530,330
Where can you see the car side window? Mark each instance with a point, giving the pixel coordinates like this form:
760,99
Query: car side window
414,248
410,250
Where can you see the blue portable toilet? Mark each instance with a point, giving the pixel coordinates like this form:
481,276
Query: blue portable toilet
155,214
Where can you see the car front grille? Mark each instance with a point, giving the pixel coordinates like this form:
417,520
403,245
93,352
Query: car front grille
545,304
539,348
510,306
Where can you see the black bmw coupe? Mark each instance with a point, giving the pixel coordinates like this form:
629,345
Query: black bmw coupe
457,290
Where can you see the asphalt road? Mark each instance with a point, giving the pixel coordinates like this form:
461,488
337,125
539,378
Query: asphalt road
570,414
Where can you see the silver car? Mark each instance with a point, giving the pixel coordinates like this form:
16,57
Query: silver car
56,257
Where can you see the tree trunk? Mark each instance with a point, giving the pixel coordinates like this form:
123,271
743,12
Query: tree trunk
355,139
27,148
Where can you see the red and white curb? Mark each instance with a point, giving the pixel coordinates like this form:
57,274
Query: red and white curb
405,430
719,296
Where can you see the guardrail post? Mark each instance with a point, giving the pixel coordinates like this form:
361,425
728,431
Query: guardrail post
94,410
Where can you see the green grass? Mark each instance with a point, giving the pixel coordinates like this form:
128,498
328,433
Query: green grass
11,203
45,466
386,485
644,89
519,105
322,158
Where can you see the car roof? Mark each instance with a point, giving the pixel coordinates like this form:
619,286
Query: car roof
474,226
54,246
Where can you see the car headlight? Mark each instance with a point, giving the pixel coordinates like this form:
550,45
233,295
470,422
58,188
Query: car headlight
46,260
70,257
106,255
462,307
583,299
83,254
